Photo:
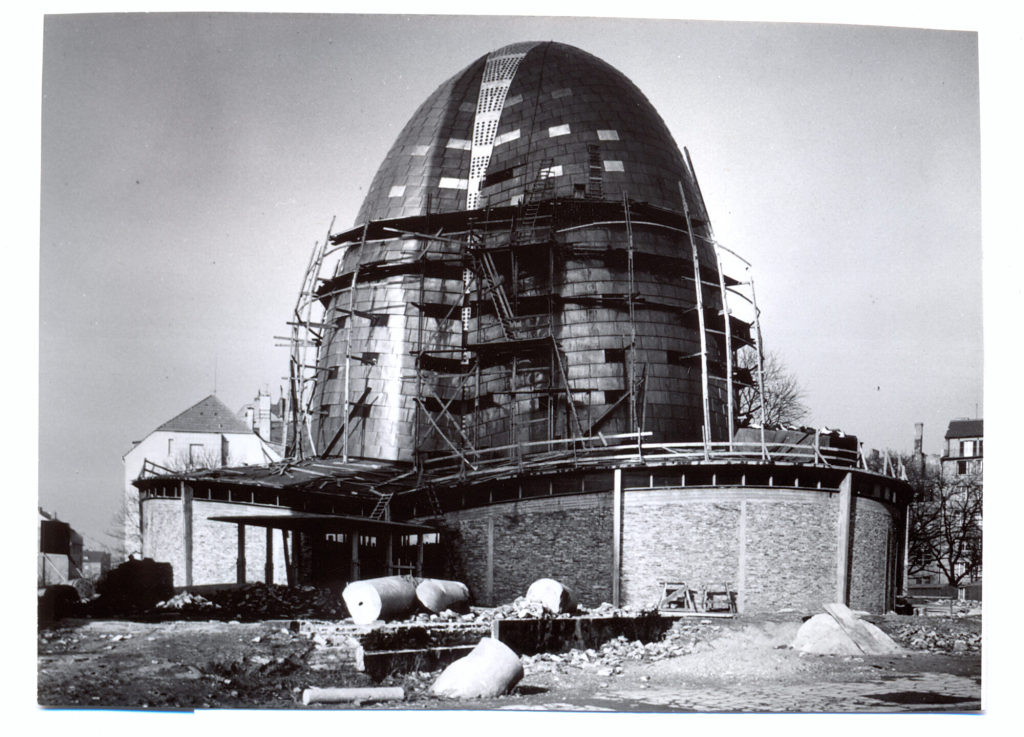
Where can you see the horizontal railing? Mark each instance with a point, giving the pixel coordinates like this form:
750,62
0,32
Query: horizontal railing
626,449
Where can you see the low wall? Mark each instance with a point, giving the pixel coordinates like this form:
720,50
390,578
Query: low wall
776,547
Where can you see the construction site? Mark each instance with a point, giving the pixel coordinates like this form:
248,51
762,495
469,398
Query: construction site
513,444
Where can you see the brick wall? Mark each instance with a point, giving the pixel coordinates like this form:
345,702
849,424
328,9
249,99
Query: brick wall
689,535
873,531
776,546
564,538
214,544
790,552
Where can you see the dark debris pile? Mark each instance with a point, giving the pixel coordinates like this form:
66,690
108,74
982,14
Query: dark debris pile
932,638
684,638
263,601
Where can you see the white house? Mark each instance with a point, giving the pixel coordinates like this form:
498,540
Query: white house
206,435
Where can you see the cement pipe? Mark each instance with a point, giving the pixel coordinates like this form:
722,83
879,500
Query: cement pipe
491,669
437,595
553,596
352,695
385,598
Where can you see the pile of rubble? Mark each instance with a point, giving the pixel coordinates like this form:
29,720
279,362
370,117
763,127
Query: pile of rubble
933,639
263,601
684,638
521,608
187,602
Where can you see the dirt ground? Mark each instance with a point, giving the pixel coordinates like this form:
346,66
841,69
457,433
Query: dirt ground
724,665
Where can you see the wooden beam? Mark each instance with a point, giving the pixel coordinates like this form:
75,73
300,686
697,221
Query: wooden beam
240,565
616,536
489,573
354,569
268,568
845,538
288,572
186,510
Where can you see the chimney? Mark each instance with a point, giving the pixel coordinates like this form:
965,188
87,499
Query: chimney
263,414
919,446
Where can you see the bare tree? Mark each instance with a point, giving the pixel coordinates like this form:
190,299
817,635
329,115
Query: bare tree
185,461
783,397
126,524
945,526
125,531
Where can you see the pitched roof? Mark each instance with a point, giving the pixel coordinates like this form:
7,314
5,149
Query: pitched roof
209,415
966,429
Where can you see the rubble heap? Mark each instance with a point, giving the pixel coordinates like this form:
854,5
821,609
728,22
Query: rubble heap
272,601
927,636
684,638
187,602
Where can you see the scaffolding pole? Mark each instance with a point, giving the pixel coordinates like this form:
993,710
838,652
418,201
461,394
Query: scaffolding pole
725,302
348,346
760,363
706,430
632,314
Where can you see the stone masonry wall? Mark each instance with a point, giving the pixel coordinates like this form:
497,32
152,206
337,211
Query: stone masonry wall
874,528
790,552
677,535
564,538
776,547
214,544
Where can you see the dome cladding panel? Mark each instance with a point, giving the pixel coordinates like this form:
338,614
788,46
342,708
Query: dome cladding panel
592,124
420,156
555,86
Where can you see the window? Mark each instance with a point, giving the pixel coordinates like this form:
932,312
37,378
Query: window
170,447
962,468
195,453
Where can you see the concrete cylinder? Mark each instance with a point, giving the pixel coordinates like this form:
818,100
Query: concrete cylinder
491,669
385,598
437,595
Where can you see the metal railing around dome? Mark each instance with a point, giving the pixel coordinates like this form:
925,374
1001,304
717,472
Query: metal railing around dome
624,450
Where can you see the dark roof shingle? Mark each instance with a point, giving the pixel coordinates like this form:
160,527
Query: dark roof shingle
209,415
966,429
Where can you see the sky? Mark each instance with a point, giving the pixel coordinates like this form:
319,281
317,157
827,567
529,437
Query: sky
189,163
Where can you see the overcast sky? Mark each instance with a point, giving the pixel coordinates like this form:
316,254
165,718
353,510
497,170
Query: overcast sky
190,163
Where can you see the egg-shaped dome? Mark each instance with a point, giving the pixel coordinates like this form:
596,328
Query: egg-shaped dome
524,270
482,137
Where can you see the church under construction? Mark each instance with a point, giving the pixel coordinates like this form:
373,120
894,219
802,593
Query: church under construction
522,361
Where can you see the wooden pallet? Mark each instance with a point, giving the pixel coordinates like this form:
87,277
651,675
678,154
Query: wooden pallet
678,600
676,597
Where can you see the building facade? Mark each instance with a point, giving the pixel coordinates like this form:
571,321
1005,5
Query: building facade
526,348
206,435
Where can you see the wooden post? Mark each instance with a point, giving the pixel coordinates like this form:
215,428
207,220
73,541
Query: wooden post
489,575
741,566
268,569
616,536
354,570
186,511
845,536
296,554
906,550
419,554
390,553
289,574
240,566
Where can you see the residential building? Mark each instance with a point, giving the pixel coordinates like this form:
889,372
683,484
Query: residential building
964,451
206,435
